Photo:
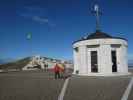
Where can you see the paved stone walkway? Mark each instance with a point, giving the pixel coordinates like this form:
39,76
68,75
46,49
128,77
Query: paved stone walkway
96,88
29,86
39,85
131,95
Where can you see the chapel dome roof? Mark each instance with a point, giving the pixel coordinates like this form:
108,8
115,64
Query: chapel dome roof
99,35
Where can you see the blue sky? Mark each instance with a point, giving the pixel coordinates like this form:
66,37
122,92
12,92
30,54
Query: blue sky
55,24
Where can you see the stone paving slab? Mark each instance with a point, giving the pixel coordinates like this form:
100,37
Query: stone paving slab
96,88
29,86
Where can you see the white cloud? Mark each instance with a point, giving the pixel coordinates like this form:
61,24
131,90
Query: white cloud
35,14
40,19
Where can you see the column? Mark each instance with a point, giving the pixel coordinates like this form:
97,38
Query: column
76,60
89,61
83,69
104,59
122,59
119,59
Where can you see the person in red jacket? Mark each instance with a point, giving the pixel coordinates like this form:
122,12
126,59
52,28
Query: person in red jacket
57,71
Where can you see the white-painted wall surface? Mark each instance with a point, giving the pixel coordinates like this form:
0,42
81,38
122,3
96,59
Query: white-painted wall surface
82,57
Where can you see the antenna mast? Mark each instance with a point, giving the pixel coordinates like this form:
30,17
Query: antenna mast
97,13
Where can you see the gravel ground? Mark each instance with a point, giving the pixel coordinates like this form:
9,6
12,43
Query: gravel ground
29,86
96,88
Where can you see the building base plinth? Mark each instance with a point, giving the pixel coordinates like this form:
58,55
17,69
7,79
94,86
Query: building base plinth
104,74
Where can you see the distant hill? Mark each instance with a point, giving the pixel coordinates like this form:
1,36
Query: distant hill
19,64
3,61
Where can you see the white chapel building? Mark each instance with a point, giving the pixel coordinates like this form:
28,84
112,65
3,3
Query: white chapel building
100,54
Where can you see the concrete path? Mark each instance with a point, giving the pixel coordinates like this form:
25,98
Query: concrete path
29,86
61,96
96,88
128,90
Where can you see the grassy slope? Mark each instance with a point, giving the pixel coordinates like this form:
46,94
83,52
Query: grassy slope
16,65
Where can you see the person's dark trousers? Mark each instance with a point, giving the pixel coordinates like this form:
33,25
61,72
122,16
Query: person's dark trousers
57,75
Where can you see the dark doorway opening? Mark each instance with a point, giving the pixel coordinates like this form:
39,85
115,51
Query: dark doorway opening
94,67
114,61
